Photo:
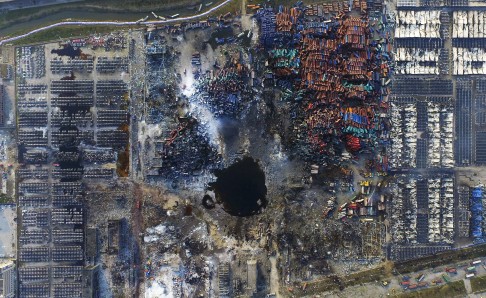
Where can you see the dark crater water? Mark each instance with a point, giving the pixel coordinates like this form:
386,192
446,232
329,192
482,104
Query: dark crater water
240,188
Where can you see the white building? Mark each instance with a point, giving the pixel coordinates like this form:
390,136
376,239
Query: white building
7,278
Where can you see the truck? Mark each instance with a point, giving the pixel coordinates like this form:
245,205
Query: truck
412,286
476,262
451,270
470,275
421,277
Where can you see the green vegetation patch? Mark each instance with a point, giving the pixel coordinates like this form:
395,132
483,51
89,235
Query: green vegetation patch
63,32
453,289
478,284
332,283
363,277
4,199
317,286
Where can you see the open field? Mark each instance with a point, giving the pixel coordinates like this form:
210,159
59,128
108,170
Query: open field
65,32
478,284
334,282
453,289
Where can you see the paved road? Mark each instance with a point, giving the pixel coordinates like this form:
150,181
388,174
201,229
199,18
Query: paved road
467,284
274,277
135,23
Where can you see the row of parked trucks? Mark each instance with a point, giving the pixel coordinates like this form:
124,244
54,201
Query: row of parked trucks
408,284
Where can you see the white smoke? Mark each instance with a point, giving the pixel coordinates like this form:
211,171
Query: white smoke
207,120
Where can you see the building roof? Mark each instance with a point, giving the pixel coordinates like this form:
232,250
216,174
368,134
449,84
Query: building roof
5,263
8,230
